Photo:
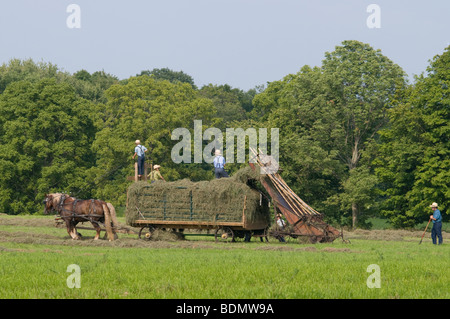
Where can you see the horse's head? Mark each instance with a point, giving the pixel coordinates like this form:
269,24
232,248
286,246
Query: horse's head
51,202
48,203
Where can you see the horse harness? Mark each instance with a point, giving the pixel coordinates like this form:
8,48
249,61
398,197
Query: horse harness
73,215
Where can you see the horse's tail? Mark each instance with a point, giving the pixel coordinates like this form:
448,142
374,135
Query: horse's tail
114,221
108,227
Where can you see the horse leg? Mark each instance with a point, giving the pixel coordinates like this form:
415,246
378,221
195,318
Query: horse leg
71,230
107,215
115,223
75,230
69,227
98,229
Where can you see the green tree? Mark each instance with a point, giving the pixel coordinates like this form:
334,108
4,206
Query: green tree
364,84
296,105
149,110
332,111
86,85
226,101
91,86
18,70
170,75
359,188
45,139
413,160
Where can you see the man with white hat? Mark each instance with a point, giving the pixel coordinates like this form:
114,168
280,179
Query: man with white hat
436,231
219,165
139,151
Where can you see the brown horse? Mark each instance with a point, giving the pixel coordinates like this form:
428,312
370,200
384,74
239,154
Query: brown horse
73,211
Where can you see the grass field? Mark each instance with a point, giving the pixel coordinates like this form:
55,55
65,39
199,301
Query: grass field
34,256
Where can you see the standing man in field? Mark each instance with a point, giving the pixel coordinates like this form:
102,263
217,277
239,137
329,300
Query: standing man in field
219,165
436,231
139,151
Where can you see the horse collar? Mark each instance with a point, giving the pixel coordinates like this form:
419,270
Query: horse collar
61,200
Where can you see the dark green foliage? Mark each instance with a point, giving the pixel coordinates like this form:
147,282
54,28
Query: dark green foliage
170,75
413,160
148,110
18,70
327,116
45,139
355,140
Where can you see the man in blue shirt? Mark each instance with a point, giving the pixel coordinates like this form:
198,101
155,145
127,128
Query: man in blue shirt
139,151
219,165
436,231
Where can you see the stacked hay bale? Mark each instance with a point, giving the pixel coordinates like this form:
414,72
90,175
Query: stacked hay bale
218,200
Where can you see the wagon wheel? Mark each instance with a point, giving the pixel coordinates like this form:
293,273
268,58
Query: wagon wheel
224,234
146,235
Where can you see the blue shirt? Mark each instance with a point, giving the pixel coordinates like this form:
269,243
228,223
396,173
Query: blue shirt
437,215
219,161
139,150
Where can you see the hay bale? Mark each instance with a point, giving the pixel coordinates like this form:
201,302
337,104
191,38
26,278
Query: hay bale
247,173
218,200
166,235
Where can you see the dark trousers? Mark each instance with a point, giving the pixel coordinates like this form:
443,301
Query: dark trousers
220,172
141,162
436,231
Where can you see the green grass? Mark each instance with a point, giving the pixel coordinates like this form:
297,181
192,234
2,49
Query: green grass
383,223
35,267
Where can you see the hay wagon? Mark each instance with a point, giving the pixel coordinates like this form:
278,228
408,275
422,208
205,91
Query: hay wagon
226,208
233,208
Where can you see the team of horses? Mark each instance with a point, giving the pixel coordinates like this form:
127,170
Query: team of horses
74,211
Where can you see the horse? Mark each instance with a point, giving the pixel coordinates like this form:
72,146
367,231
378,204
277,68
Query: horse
73,211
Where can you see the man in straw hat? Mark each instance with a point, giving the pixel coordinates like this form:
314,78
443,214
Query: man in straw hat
155,174
436,231
139,151
219,165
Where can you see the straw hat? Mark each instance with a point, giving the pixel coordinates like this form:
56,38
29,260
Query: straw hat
156,166
137,142
434,205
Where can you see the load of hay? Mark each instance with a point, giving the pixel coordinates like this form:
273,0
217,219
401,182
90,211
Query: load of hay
218,200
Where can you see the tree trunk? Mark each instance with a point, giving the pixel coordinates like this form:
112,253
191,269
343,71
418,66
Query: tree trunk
353,163
355,213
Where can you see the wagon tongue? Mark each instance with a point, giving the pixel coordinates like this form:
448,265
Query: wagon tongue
304,219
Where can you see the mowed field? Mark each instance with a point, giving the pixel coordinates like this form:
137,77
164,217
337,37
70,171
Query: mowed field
35,256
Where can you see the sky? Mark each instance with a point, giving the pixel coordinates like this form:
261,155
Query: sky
243,43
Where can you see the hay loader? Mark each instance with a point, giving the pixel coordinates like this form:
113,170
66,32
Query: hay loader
304,221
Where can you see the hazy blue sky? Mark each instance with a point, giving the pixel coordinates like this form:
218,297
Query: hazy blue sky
243,43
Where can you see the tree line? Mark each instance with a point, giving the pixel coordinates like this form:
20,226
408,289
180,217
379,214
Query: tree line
357,139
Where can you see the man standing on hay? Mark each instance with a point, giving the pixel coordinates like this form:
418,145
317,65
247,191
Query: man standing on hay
219,165
139,151
155,174
436,231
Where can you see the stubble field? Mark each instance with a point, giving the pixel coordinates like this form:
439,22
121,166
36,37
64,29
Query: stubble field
35,256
